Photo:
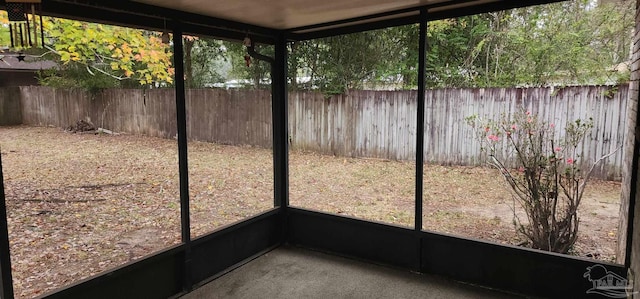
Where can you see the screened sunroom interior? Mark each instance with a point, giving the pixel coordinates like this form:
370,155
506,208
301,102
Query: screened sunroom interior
291,234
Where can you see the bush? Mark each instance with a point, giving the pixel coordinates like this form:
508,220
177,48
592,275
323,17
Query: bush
544,172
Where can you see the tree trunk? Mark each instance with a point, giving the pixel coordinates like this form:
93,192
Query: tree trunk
188,69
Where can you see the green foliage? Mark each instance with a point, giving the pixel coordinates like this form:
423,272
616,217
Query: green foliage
571,42
75,75
568,42
5,38
257,72
454,46
401,52
52,78
204,60
544,172
346,61
339,63
564,43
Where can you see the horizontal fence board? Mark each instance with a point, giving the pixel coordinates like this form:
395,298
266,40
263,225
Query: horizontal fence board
374,124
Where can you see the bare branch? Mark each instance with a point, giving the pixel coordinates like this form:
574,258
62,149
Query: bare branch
582,186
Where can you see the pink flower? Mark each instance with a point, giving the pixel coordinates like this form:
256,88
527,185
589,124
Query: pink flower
514,127
528,112
552,125
493,137
558,149
487,129
570,161
529,119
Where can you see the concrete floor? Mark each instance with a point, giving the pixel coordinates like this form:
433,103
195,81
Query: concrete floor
288,272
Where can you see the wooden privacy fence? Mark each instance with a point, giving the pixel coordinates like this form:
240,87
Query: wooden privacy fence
378,124
214,115
450,140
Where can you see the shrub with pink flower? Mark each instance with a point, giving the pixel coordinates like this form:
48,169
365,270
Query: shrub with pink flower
531,159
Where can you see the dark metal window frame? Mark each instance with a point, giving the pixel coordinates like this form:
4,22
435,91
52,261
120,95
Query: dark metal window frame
178,269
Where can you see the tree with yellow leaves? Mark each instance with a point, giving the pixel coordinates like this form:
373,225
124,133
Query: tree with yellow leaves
96,52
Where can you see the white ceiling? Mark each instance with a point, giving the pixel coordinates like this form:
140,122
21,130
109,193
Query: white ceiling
287,14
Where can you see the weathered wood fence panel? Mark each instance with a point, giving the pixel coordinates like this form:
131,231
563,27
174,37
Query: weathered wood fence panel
380,124
449,140
10,107
222,116
55,107
229,116
148,112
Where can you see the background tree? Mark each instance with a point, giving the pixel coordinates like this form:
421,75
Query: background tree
571,42
401,56
5,38
109,55
568,42
339,63
257,73
206,61
454,46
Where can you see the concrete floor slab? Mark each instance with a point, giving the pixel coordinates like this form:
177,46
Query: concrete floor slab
288,272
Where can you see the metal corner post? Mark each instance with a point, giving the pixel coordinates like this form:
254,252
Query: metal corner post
422,48
181,117
279,104
280,120
6,281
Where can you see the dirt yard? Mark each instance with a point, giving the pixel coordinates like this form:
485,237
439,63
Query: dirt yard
79,204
